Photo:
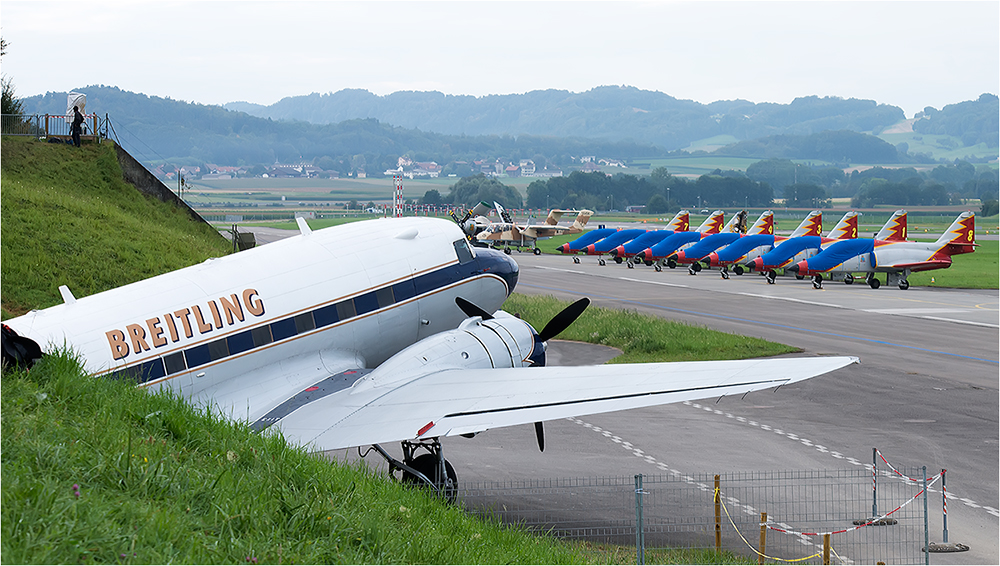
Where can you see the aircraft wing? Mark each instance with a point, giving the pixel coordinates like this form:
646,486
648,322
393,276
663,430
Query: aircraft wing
461,401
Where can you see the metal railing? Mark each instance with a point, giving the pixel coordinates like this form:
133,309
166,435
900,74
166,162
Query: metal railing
43,126
682,511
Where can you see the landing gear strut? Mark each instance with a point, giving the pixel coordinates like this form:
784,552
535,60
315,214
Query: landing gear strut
428,469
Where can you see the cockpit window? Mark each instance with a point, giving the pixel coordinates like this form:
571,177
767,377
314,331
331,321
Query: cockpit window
463,251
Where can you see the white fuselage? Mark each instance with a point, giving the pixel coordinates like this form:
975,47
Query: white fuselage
301,308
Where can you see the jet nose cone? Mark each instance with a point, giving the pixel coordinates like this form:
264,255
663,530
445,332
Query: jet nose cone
589,249
756,264
645,254
563,248
619,251
676,257
794,268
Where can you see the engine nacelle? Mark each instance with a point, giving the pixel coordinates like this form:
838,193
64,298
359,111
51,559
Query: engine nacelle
504,341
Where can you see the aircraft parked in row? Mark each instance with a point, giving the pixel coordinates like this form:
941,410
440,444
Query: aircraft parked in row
897,258
310,336
679,223
712,225
800,247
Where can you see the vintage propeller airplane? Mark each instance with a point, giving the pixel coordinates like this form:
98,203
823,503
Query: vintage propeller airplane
372,332
507,233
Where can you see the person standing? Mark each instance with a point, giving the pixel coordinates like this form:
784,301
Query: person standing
77,127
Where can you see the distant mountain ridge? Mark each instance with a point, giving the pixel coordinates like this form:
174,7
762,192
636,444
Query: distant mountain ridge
608,112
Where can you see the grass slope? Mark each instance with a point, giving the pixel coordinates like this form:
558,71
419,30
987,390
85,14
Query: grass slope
68,218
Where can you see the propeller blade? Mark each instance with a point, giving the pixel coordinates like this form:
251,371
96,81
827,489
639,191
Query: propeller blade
471,309
540,436
562,320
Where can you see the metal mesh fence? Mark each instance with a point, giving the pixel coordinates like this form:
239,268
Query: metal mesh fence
679,511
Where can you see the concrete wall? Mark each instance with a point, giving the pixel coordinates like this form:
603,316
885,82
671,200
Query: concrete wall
138,176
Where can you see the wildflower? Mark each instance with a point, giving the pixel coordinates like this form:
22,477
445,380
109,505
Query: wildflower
76,490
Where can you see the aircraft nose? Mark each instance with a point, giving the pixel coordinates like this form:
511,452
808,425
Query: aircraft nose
756,264
564,248
676,256
620,250
794,268
498,263
589,249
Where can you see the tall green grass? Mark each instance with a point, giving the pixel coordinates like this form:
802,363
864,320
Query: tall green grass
99,471
69,219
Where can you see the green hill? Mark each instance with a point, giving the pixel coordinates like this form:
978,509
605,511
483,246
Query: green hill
99,471
68,218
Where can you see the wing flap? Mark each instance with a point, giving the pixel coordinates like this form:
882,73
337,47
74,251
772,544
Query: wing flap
460,401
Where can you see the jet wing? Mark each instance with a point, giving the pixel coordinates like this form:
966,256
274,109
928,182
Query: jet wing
461,401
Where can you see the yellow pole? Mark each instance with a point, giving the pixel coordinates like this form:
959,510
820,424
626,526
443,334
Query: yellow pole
826,549
718,516
763,538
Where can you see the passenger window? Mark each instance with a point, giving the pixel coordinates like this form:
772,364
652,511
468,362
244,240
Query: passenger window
463,251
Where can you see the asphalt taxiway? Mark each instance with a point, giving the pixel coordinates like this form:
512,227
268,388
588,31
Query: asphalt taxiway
925,393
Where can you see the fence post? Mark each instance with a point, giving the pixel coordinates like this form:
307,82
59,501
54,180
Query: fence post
944,507
763,538
826,548
718,516
874,483
640,540
927,536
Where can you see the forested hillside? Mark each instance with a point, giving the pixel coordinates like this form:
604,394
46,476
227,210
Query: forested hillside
194,134
607,112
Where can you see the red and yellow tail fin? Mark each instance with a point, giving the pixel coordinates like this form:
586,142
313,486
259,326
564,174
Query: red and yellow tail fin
714,223
681,222
895,229
764,224
962,231
811,226
847,228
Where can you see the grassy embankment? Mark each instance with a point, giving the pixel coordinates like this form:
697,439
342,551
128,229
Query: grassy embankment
99,470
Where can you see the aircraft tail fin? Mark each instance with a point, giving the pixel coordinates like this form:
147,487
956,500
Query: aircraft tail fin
962,231
764,224
895,229
811,226
681,222
847,228
737,224
713,224
582,219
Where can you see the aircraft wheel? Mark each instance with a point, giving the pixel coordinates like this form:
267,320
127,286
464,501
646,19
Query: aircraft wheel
848,279
629,264
657,268
691,270
800,277
618,260
738,269
874,283
770,277
648,263
904,284
537,251
427,465
671,263
506,251
817,281
576,260
696,267
601,262
725,274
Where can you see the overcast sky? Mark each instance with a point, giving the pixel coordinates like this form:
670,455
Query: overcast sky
908,54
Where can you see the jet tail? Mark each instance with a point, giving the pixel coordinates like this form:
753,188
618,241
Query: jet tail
811,226
764,224
681,222
895,229
582,219
961,234
737,224
713,224
847,228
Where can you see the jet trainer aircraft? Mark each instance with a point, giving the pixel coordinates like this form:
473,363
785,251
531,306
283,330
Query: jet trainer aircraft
712,225
895,258
679,223
311,336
